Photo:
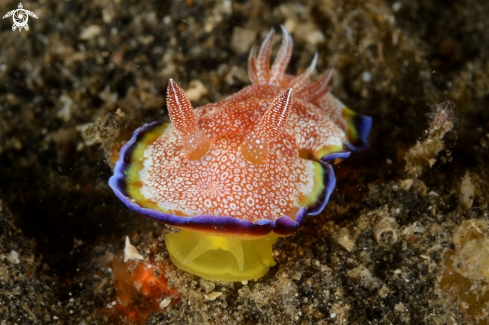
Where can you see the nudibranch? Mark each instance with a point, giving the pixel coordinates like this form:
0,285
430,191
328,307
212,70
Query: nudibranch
237,174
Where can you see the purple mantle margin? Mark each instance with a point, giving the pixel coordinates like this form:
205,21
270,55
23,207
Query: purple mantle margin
218,225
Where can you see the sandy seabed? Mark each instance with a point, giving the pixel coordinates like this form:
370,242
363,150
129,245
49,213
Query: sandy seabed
404,238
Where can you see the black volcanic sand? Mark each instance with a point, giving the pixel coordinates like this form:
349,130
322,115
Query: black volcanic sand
86,74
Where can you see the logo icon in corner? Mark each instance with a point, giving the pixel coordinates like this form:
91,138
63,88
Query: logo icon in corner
21,16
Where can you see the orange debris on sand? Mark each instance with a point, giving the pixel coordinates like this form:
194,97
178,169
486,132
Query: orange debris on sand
140,289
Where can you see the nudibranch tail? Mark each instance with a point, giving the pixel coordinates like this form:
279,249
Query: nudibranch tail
182,115
255,146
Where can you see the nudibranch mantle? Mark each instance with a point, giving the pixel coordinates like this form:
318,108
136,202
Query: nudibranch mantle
248,168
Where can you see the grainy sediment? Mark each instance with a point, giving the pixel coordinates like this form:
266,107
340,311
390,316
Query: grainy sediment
86,74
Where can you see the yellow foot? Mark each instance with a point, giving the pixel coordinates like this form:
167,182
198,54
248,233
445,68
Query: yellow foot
221,258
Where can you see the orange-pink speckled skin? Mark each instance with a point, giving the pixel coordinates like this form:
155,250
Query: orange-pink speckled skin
223,187
223,183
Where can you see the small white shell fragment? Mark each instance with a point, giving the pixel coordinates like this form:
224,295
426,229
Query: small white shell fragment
297,276
362,273
131,252
366,76
396,6
90,32
14,257
343,238
165,302
213,295
385,231
467,191
196,90
138,285
406,184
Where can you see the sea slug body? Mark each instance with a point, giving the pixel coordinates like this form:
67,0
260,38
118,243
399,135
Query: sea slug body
236,174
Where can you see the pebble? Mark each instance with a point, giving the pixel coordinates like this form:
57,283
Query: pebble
90,32
14,257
